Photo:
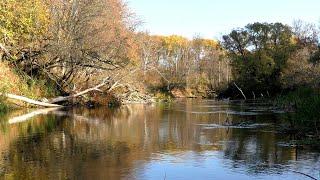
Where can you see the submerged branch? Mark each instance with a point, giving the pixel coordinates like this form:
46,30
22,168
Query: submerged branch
297,172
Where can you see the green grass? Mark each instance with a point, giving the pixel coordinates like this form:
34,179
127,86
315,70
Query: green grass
3,107
163,97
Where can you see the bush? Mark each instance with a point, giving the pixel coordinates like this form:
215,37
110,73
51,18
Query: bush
305,104
3,107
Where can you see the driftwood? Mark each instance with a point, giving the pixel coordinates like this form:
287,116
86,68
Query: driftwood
244,96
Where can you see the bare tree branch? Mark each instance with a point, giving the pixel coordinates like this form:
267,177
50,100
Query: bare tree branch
240,90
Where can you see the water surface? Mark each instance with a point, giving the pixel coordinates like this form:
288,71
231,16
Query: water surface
188,139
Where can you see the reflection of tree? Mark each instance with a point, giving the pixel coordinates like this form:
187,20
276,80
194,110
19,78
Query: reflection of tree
255,150
105,143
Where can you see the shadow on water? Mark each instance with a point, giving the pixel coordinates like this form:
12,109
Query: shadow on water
187,139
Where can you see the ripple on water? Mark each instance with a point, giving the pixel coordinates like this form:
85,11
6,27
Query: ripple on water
241,126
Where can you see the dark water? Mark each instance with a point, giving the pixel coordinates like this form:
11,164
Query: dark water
185,140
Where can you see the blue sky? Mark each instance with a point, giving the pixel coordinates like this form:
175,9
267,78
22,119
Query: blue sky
212,18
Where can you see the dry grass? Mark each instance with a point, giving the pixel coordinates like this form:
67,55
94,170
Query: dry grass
12,83
9,81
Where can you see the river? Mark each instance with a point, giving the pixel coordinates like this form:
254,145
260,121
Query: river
187,139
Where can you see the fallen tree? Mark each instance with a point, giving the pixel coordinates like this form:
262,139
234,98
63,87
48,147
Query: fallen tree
52,103
66,98
111,83
28,100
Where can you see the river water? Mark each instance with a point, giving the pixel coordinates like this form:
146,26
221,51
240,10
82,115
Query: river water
187,139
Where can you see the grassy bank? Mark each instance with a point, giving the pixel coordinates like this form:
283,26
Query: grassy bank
304,105
11,81
3,106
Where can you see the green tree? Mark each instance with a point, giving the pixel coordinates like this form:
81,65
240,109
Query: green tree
259,53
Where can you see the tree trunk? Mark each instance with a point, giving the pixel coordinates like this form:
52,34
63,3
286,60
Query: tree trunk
240,91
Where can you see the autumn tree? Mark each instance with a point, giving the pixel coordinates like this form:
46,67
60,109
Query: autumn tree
300,71
172,57
173,61
150,48
86,38
306,34
210,65
303,68
23,28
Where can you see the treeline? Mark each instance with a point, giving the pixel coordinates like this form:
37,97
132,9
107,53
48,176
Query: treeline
262,59
78,44
198,65
282,62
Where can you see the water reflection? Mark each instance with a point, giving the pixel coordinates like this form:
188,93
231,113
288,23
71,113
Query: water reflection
152,142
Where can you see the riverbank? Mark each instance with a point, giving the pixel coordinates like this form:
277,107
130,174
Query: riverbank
16,82
302,106
42,89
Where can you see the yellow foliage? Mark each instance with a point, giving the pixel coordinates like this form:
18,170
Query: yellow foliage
22,21
174,41
209,43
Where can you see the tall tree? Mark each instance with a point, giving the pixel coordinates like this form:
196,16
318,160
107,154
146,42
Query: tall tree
259,53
